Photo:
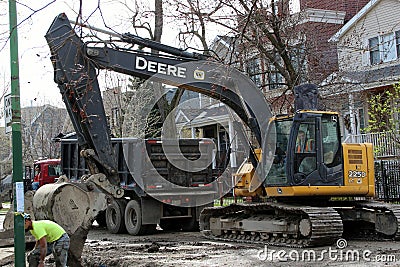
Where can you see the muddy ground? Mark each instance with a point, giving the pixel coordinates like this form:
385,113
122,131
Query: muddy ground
192,249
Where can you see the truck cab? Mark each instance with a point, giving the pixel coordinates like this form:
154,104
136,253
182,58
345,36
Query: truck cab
46,171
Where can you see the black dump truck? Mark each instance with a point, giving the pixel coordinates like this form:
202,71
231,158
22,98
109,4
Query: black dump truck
162,188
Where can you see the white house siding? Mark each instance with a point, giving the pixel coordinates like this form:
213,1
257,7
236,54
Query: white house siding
353,51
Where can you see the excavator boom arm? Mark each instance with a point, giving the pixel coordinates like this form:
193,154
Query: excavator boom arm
76,64
76,77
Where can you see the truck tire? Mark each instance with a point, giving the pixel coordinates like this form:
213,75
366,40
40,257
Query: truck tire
115,216
133,218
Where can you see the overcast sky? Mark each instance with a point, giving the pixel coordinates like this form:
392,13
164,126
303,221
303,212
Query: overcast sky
34,17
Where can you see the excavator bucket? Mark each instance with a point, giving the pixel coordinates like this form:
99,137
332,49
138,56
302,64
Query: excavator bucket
74,206
53,201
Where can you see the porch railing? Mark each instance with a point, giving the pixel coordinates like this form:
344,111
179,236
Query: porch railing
384,145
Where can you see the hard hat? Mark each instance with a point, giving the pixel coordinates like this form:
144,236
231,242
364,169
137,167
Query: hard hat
26,216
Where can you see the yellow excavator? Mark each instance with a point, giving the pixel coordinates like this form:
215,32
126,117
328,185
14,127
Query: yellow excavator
314,192
298,178
299,165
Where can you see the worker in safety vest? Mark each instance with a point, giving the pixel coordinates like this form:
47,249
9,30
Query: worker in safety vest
50,238
303,144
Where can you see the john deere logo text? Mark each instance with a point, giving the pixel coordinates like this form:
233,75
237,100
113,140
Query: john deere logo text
160,68
199,75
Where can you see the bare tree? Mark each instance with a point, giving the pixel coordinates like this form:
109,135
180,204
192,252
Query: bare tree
262,27
40,124
267,39
196,17
244,23
158,115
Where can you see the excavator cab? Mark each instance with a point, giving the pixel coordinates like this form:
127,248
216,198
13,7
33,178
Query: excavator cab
308,150
310,159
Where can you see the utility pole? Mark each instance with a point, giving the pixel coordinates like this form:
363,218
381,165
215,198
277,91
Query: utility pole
19,231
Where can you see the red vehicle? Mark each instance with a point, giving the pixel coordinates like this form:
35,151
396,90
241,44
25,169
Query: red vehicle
46,172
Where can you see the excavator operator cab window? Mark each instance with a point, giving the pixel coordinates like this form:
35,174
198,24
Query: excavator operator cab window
277,173
330,140
317,144
305,141
305,156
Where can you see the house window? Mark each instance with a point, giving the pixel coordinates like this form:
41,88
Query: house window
253,69
398,43
388,47
274,78
374,50
384,48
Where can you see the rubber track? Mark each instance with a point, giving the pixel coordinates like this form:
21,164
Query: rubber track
326,224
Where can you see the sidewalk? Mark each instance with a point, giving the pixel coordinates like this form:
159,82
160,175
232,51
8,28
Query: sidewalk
6,256
3,214
6,253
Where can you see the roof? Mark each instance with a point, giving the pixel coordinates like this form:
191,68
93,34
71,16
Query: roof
48,161
209,115
366,79
368,7
226,40
387,73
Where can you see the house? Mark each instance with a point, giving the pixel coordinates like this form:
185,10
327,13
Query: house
368,48
308,27
214,121
322,19
39,125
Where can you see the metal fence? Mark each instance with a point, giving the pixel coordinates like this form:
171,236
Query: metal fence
387,180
